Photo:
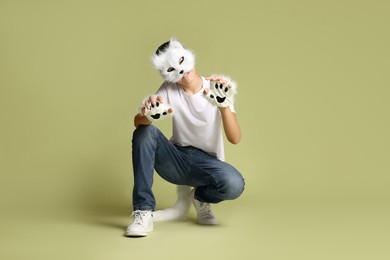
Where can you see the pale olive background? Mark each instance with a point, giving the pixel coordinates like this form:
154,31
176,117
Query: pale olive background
313,105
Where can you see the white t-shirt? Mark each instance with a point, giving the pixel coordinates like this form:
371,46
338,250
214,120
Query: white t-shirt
196,122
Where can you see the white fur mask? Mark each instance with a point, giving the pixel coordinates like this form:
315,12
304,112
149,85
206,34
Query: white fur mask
174,61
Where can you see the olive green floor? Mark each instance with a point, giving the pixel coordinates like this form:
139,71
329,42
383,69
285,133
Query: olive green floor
315,231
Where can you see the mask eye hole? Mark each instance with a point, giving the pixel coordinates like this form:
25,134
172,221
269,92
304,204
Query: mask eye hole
181,60
170,69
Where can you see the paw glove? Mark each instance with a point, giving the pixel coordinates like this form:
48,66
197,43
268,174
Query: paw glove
222,94
159,111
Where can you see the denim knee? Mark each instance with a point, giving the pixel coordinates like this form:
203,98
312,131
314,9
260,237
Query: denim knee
144,133
232,186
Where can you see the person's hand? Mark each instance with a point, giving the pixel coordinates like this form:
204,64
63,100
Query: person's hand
221,92
154,108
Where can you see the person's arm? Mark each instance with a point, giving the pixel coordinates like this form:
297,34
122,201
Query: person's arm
229,120
230,125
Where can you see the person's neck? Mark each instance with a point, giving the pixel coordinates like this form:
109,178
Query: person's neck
194,86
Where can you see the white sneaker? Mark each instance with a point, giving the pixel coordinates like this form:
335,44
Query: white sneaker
142,225
205,215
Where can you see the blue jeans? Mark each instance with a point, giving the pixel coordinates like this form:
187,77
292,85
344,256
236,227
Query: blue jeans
214,179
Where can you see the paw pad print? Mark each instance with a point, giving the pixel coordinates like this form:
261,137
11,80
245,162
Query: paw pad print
158,111
221,94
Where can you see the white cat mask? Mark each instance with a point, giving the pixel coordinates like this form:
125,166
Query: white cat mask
173,61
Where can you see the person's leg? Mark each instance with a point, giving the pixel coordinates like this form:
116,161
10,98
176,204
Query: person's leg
152,150
215,180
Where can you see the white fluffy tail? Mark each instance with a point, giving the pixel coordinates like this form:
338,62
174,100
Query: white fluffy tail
180,210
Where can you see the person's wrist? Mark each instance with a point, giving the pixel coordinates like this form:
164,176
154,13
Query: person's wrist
224,110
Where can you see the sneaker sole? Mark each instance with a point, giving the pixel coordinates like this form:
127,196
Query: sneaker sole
207,222
138,233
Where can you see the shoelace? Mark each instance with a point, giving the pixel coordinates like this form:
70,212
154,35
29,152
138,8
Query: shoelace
138,217
205,209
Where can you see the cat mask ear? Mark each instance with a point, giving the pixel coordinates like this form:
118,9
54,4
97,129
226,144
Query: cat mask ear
173,61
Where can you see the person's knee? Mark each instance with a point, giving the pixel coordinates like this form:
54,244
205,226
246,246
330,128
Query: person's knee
144,133
233,186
